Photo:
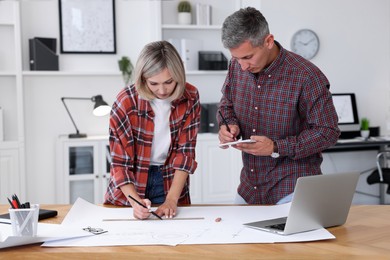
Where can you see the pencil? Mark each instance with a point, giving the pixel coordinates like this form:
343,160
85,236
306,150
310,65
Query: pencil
224,121
142,205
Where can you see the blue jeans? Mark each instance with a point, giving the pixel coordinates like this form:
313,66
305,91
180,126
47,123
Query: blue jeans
155,186
286,199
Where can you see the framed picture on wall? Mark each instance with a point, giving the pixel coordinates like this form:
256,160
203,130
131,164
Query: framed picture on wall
87,26
346,109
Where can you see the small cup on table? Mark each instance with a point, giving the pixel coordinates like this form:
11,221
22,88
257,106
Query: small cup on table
24,221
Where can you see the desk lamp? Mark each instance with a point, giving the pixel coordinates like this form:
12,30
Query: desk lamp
101,108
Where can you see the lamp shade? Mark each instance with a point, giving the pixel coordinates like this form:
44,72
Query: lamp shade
101,108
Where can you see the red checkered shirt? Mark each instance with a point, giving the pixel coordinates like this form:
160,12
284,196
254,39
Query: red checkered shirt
290,103
131,134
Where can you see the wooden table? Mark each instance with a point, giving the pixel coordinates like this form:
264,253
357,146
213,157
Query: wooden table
366,235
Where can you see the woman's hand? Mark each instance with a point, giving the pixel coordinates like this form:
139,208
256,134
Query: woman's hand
167,209
139,211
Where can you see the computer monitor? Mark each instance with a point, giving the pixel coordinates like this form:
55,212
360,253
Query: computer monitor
345,104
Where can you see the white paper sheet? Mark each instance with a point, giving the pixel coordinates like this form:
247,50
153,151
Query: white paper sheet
45,232
238,142
229,230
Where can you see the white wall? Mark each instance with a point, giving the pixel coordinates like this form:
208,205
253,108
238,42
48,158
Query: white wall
354,45
133,30
354,54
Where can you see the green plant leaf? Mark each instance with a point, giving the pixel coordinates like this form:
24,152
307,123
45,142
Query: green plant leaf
126,67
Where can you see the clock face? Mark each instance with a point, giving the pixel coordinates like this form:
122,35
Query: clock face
305,42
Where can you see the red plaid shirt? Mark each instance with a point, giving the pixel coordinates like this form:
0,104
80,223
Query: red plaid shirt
131,135
290,103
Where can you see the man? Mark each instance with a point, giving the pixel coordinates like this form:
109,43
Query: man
278,99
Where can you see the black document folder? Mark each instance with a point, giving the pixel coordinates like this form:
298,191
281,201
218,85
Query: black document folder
43,214
43,54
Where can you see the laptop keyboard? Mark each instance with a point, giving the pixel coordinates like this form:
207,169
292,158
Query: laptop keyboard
278,226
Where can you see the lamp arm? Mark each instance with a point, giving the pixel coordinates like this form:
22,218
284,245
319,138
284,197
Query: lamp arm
67,110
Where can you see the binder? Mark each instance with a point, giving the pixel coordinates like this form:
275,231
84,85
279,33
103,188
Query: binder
203,14
43,54
188,50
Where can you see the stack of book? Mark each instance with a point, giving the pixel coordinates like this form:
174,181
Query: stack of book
203,14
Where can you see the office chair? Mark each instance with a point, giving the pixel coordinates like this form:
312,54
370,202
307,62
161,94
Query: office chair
382,173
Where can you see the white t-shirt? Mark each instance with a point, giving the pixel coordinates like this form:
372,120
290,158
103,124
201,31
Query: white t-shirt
162,133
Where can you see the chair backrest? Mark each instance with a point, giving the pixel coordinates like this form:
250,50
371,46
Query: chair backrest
384,156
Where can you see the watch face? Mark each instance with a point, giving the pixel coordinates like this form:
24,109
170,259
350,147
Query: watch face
305,42
274,155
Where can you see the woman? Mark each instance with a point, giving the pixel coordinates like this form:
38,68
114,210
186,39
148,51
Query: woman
153,130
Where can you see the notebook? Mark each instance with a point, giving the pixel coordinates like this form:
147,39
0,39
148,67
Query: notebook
319,201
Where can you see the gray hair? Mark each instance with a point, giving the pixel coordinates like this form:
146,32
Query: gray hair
244,24
154,58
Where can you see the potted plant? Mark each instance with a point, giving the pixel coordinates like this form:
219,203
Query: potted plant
365,128
184,12
126,67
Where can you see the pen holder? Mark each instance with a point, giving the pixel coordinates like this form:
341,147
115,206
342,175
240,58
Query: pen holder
24,222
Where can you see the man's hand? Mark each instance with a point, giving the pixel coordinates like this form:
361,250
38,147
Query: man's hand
225,136
263,146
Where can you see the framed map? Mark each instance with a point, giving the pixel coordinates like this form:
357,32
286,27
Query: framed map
87,26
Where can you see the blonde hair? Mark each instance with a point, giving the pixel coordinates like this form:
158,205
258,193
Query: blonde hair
154,58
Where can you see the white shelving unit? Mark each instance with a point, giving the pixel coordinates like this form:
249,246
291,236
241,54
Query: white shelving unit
210,35
82,169
209,82
218,174
12,167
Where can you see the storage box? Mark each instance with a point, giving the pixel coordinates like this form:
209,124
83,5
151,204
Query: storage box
43,54
212,60
208,118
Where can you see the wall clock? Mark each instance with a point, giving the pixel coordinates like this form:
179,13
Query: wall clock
306,43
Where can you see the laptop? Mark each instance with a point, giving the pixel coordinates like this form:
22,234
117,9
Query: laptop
319,201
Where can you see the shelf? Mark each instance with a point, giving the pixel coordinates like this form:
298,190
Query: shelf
71,73
206,72
191,27
88,138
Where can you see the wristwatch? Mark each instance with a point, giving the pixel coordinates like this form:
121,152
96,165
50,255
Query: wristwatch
275,153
